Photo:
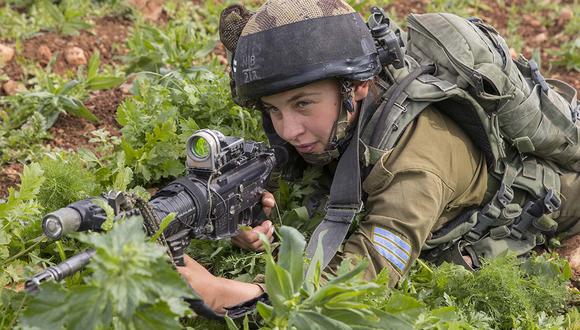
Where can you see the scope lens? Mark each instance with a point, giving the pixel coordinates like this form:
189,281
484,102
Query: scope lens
200,147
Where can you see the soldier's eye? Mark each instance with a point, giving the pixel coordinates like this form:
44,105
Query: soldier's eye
303,104
270,109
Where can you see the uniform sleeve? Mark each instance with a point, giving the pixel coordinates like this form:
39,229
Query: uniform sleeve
433,171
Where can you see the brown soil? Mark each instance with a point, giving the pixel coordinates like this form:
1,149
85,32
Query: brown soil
571,251
13,70
72,133
108,37
9,177
546,39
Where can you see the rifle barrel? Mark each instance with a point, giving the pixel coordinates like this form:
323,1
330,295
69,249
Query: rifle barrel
60,271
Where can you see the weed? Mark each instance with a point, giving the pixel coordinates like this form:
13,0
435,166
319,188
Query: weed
66,18
569,55
66,181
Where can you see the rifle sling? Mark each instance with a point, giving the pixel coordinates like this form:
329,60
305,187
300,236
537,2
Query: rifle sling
344,202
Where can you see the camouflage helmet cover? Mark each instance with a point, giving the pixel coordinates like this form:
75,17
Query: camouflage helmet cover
290,43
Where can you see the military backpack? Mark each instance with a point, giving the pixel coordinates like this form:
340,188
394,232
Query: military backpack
526,126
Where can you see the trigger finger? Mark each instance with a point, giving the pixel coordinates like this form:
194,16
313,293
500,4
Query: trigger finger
267,210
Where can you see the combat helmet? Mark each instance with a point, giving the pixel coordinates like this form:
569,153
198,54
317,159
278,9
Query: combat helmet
290,43
287,44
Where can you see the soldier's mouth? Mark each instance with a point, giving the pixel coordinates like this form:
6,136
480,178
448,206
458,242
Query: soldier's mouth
305,148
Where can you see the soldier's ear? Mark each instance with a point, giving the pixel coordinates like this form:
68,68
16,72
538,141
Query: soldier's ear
360,90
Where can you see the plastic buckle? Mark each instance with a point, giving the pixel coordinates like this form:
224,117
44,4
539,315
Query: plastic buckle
575,113
551,202
499,232
344,207
478,81
505,194
537,76
477,232
342,213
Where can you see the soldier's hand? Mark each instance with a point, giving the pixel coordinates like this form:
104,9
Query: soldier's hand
250,239
268,202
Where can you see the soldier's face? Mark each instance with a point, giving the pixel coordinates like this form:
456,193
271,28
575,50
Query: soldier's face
305,116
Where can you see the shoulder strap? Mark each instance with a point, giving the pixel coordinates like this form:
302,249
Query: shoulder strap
393,95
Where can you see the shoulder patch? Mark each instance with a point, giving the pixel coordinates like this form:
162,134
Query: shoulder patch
393,247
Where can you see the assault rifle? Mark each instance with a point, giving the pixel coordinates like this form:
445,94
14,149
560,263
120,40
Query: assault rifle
221,192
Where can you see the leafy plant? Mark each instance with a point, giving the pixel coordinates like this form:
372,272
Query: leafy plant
507,293
50,103
96,80
19,225
23,144
177,47
66,180
304,302
225,260
68,17
56,96
16,24
132,285
569,55
166,110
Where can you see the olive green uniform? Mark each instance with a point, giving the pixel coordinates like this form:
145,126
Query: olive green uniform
432,175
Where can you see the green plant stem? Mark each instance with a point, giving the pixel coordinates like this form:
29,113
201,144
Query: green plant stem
61,252
11,325
23,252
424,265
279,215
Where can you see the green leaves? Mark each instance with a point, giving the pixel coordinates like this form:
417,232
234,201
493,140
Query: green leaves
68,17
131,282
66,181
159,119
61,98
338,304
95,81
291,252
177,47
503,294
19,216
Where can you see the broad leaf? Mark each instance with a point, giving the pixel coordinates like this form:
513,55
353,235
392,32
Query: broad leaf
291,256
315,321
103,82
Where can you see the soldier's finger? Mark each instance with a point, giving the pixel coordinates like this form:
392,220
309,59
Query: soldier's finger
268,199
257,246
239,243
267,210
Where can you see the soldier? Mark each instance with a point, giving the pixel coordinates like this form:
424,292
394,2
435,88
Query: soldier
311,68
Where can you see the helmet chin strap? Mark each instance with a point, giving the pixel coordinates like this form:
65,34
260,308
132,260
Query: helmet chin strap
340,134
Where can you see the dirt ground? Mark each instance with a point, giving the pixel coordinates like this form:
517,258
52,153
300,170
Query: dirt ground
109,34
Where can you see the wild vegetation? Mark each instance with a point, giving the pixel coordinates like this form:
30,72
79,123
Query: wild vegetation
102,94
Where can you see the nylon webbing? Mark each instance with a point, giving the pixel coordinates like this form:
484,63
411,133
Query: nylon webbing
394,96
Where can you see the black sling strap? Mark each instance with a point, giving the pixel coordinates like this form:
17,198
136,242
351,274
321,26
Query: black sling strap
344,202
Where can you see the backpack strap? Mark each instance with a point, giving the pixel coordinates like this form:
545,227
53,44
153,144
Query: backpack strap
387,117
499,212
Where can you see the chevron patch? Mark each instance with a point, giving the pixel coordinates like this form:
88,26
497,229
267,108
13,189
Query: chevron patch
392,246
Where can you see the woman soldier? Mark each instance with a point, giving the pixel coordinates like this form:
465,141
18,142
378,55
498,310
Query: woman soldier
312,68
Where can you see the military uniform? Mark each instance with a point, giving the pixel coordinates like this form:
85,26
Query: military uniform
432,175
